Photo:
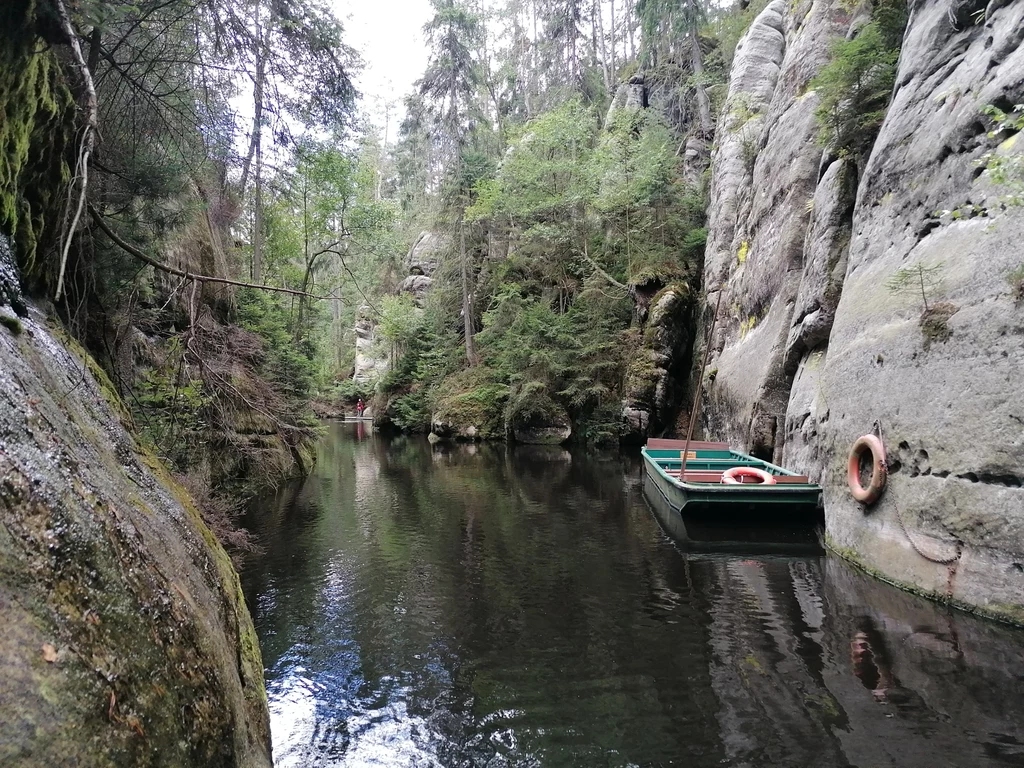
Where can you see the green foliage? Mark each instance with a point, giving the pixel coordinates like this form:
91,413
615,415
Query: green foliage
36,128
731,24
350,390
855,86
400,319
1005,167
290,367
472,397
174,408
544,173
920,280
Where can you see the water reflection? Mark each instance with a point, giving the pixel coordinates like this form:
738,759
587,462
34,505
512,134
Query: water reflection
487,606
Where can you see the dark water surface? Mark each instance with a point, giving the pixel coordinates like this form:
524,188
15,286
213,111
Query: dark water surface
484,606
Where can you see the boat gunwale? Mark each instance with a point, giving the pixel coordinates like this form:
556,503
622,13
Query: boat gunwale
742,489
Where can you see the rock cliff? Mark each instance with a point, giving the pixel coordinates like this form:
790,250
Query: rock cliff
126,640
816,345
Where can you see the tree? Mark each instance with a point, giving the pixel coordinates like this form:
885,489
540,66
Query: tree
449,88
673,27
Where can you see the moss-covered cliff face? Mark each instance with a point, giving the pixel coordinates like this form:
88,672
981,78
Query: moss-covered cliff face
821,333
126,640
35,133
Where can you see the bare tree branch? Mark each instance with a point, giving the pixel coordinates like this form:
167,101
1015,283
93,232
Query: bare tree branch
131,249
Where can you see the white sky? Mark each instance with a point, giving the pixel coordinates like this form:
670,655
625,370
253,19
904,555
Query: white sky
389,36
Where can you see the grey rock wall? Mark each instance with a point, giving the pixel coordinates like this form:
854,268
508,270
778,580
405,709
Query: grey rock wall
813,348
125,640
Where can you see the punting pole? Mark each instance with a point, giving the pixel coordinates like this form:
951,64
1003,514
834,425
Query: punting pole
700,384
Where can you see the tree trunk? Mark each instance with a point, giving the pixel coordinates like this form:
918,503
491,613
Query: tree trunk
301,319
707,127
257,226
467,304
612,8
628,21
259,79
604,47
534,89
256,149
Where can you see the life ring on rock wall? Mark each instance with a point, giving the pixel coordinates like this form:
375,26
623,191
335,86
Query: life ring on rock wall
879,471
732,476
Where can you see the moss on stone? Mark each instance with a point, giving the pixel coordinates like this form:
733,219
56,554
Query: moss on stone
35,135
472,397
11,323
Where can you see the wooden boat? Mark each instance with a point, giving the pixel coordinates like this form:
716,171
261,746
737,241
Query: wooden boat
740,532
701,489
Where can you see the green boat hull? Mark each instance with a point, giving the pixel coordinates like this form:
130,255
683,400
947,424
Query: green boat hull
714,517
741,532
689,496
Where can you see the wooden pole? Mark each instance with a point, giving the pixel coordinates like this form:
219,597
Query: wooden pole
700,384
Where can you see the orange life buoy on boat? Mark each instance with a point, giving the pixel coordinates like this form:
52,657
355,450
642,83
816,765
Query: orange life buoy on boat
732,476
879,470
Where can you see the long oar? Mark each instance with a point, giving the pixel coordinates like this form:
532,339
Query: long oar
700,383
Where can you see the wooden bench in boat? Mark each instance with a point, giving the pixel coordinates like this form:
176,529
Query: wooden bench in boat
716,477
663,444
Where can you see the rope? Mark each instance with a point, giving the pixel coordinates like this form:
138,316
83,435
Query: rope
877,429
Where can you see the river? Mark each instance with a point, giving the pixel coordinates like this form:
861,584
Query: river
485,605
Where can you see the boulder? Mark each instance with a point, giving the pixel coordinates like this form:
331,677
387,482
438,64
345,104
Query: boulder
417,285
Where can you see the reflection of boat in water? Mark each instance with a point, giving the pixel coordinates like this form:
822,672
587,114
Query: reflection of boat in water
701,511
742,531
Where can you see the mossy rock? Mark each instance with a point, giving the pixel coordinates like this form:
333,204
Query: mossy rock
35,136
470,404
126,637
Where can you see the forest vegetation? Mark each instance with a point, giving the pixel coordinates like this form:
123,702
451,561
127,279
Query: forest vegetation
197,188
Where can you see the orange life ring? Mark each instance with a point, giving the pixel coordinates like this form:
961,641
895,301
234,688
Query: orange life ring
732,476
879,470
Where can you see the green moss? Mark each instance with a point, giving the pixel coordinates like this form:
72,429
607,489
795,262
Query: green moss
472,397
641,377
37,129
110,393
11,323
935,323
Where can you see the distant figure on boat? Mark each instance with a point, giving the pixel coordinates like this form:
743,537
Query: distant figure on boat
359,408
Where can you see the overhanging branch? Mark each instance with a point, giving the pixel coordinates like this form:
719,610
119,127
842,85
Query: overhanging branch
131,249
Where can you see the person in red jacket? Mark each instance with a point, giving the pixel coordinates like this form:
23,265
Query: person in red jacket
359,408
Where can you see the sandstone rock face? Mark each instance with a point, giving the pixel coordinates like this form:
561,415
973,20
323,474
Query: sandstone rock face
425,255
631,95
420,263
814,347
370,363
656,374
417,285
126,640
